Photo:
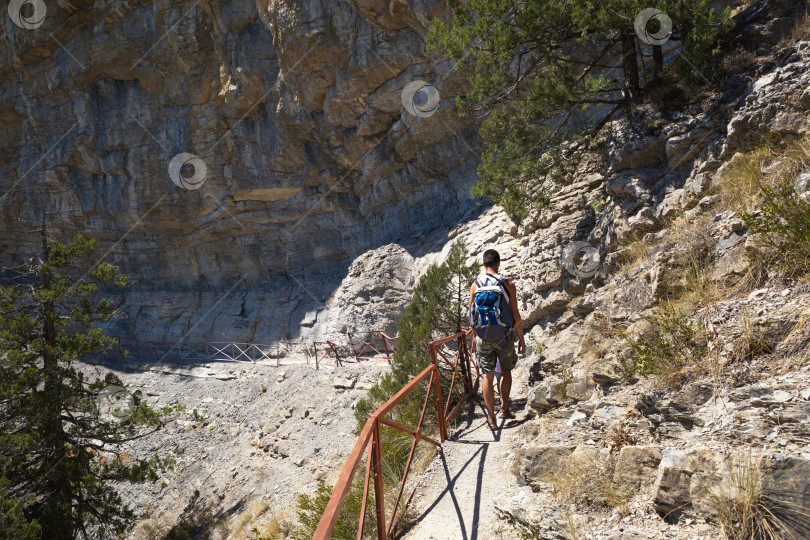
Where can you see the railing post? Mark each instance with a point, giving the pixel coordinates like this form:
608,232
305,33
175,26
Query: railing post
385,344
337,356
351,346
438,388
379,503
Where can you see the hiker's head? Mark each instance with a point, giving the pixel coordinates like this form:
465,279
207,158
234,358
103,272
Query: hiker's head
492,259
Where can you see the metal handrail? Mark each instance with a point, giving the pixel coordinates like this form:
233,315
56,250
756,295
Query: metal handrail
254,352
369,438
369,344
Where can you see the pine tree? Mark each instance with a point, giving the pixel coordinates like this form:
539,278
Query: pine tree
545,75
438,308
59,452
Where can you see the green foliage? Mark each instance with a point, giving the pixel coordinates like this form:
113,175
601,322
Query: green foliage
784,222
540,78
312,507
58,453
671,348
438,308
14,524
701,26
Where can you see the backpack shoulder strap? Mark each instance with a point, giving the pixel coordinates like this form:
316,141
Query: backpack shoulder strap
501,281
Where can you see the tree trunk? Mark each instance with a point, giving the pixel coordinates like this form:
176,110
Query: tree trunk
658,59
465,370
630,62
58,522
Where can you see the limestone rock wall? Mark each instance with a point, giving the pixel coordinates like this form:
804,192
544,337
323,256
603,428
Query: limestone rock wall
294,110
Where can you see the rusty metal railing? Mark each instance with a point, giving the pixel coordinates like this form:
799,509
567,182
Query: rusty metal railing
459,347
369,441
330,349
318,355
374,341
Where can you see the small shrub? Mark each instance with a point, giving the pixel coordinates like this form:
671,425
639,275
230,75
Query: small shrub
312,507
619,437
748,504
739,59
597,204
672,347
784,222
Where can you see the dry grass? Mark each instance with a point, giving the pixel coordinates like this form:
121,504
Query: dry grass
747,504
155,528
254,522
738,185
797,341
278,526
801,32
689,280
632,252
769,163
619,437
589,481
751,342
738,59
671,347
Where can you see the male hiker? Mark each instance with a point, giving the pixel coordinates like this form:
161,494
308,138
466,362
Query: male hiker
495,318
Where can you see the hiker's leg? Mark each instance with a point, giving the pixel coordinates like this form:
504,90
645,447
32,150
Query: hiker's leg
508,358
489,395
506,388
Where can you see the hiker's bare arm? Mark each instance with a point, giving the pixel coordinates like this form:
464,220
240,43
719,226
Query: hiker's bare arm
472,295
516,316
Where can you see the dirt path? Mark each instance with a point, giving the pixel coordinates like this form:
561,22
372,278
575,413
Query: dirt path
454,498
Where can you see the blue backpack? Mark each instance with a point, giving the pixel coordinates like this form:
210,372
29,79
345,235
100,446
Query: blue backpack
490,314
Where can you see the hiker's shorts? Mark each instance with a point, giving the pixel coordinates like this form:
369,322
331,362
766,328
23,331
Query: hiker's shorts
489,352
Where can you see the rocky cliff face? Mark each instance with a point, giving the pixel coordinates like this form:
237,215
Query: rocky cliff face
303,154
586,436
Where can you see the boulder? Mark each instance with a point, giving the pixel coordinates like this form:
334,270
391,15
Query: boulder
681,149
731,266
637,466
538,464
635,154
580,389
606,370
671,494
547,395
343,382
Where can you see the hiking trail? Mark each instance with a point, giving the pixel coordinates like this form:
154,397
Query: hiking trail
455,494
